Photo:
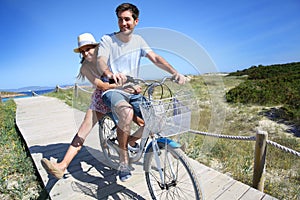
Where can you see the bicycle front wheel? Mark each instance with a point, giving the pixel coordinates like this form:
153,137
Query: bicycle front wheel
180,181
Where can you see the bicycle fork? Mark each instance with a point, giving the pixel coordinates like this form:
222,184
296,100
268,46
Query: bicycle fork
167,161
157,161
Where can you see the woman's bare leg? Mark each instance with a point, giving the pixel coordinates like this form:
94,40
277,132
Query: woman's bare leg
90,119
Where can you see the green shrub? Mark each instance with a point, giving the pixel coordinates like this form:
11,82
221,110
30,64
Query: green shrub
270,86
17,174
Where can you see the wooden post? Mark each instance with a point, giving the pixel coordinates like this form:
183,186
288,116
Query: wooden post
56,88
0,98
260,160
76,90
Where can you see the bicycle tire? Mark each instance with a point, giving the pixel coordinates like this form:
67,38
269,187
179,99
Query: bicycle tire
186,186
106,131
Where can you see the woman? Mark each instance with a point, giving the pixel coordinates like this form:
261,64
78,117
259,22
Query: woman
88,48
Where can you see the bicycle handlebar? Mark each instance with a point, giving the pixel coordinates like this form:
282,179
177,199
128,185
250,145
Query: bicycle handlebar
140,80
151,84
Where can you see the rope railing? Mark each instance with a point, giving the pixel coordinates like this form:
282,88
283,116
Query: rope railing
259,155
82,89
233,137
248,138
58,88
76,87
281,147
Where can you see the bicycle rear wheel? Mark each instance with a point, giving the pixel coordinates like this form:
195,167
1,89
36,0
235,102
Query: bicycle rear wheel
180,179
108,136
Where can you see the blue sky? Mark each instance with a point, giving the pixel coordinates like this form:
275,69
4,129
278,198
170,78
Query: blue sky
38,37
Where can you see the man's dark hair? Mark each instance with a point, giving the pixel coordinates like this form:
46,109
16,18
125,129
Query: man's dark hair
128,6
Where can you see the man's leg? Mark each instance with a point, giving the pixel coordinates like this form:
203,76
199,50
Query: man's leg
124,112
135,101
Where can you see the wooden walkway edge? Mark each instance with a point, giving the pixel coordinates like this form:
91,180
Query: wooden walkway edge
48,126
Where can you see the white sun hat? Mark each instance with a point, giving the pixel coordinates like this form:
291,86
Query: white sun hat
85,39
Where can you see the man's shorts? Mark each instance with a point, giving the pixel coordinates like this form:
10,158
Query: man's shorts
113,98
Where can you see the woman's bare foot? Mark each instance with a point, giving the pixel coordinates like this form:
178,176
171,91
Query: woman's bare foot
52,168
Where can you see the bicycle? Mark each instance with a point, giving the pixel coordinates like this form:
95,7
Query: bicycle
167,170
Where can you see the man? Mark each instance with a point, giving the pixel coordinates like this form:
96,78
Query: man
119,55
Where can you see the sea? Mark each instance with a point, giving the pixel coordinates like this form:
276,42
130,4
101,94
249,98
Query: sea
30,91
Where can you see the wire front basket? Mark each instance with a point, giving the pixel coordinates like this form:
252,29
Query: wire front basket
167,117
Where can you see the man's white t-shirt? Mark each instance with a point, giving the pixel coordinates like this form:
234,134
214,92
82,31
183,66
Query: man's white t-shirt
123,57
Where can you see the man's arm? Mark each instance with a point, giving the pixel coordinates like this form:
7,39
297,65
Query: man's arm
163,64
102,60
119,78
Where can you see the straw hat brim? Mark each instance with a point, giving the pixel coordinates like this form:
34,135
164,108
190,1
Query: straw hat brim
77,50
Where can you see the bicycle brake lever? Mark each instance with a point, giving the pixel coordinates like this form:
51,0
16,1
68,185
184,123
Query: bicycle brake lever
130,79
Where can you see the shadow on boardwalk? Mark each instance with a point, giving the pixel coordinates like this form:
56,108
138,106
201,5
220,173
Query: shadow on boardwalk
94,179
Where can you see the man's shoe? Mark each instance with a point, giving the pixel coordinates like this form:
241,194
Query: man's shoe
124,172
57,173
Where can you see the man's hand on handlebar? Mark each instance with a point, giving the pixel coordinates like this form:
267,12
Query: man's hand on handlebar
179,78
119,78
133,89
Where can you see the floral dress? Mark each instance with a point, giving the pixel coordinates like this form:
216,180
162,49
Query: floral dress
97,103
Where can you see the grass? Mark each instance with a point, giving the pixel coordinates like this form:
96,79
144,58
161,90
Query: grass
79,99
235,157
18,178
232,157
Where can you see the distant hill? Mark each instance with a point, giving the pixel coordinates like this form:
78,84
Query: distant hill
34,88
26,89
273,85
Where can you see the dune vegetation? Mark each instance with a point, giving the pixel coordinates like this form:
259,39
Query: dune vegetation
261,97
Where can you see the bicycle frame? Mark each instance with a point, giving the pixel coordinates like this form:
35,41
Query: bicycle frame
144,147
164,162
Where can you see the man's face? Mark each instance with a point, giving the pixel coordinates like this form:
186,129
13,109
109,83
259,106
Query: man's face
126,22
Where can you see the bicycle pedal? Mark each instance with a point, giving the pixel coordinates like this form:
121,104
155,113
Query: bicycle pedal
112,143
134,149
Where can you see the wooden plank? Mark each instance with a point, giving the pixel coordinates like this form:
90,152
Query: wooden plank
217,185
268,197
252,193
48,125
234,191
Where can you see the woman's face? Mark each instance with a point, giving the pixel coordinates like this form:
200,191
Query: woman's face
88,52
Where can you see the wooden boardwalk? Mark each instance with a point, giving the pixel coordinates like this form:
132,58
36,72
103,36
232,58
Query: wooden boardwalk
48,126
